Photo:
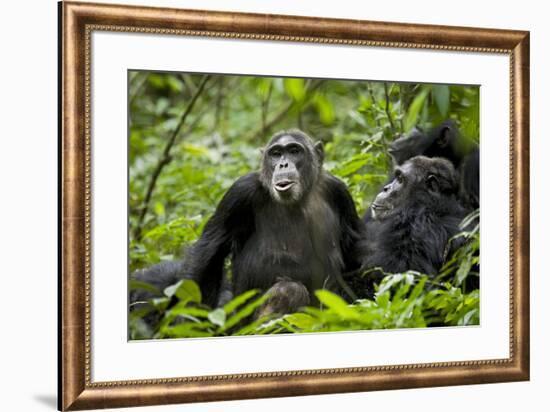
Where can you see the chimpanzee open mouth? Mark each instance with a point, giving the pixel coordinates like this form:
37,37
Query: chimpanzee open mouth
379,207
284,185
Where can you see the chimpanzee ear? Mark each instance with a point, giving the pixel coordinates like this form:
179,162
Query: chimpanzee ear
433,183
320,151
417,130
444,137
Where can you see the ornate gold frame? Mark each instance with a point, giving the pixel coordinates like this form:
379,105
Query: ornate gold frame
76,23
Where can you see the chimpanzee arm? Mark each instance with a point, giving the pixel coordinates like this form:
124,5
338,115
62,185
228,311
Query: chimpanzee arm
351,226
469,180
160,276
233,218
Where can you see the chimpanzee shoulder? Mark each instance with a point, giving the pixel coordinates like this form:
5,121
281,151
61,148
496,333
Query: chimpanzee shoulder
245,190
336,190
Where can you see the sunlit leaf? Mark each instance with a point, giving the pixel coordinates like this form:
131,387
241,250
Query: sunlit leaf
325,109
336,303
300,320
194,149
217,317
442,97
185,290
159,209
295,88
137,284
238,301
415,108
244,312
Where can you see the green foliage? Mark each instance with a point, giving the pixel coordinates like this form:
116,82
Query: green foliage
220,140
403,300
191,319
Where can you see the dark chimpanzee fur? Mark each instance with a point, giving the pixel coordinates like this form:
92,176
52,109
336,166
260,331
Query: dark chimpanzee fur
412,220
291,220
444,141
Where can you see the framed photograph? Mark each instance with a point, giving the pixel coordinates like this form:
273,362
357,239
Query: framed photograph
263,205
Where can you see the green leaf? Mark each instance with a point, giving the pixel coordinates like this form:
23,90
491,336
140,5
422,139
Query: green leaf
159,209
188,330
182,309
171,290
160,303
325,109
352,165
464,269
175,84
138,284
391,280
189,290
295,89
194,149
245,312
468,220
156,80
217,317
185,290
252,328
301,320
442,97
263,86
336,303
415,108
238,301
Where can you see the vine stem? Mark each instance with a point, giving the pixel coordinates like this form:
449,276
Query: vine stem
390,119
166,158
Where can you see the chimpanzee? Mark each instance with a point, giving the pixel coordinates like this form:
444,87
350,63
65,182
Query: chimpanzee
290,227
412,220
444,141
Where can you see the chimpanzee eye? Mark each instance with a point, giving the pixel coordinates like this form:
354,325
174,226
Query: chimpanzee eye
275,153
294,150
399,176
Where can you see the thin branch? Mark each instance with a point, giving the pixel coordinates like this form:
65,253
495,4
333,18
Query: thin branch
188,80
280,114
269,124
137,88
136,77
165,158
343,284
383,140
265,106
373,98
219,99
386,92
401,107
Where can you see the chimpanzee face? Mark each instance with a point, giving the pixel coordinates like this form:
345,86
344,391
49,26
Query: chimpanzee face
422,178
286,159
290,167
394,193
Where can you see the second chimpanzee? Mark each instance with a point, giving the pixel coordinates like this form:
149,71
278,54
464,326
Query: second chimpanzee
290,228
412,220
444,141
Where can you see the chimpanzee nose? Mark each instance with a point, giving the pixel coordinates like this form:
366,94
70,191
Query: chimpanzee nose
386,188
283,165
